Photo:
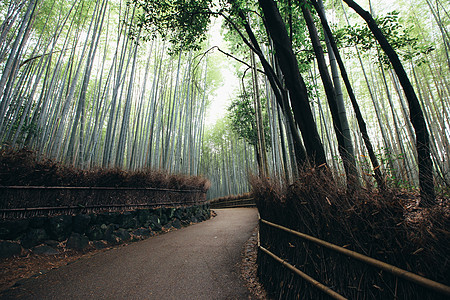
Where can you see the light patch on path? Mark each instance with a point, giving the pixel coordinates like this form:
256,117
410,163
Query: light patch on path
197,262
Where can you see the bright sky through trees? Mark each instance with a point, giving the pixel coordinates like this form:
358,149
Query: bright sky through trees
222,96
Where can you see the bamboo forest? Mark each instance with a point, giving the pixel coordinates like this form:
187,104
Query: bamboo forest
331,117
126,85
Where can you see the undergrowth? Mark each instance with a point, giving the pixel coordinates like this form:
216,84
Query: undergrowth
387,226
23,168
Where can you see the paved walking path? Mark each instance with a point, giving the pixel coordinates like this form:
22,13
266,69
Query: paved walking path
196,262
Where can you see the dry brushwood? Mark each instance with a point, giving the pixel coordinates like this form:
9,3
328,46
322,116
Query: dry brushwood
23,168
389,227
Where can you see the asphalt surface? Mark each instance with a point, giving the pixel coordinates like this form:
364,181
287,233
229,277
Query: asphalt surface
196,262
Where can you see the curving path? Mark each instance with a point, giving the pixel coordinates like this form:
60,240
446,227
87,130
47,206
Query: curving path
196,262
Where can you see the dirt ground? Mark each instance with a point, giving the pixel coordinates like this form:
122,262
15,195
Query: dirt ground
249,268
15,269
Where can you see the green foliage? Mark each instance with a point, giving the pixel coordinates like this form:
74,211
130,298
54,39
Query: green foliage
400,37
27,128
391,163
215,144
241,113
214,76
300,38
390,160
250,11
301,43
182,22
51,14
215,136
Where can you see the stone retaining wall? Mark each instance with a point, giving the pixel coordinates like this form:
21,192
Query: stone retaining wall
45,235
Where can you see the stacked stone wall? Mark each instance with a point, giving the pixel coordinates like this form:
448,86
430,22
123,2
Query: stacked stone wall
48,235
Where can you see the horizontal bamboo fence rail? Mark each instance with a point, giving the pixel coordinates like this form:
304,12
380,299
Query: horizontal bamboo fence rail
35,211
306,277
425,282
98,188
246,202
147,197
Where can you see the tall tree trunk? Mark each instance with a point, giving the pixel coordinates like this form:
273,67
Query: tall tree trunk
283,145
443,30
345,145
79,118
11,15
280,92
294,81
264,170
425,164
361,123
13,59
